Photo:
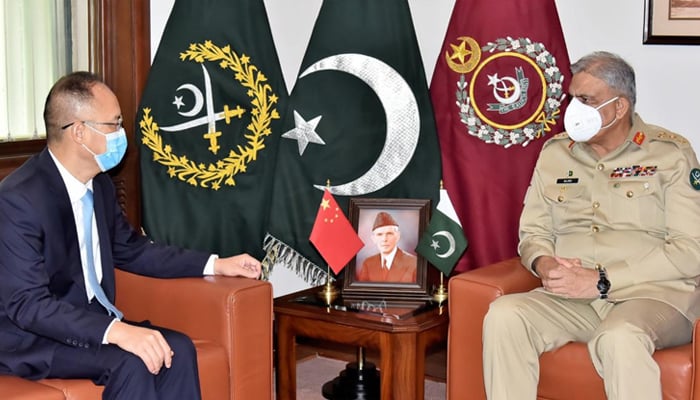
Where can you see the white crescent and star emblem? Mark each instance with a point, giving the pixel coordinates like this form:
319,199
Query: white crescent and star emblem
402,117
211,116
450,239
508,86
198,100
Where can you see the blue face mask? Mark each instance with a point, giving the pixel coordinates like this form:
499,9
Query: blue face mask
116,148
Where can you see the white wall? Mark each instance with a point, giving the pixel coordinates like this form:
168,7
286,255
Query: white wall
668,85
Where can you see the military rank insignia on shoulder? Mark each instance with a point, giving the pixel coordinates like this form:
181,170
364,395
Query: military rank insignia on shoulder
672,138
556,138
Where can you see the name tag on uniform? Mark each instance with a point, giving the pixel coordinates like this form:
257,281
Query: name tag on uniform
565,181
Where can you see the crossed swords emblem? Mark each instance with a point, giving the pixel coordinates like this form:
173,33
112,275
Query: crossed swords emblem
209,118
695,175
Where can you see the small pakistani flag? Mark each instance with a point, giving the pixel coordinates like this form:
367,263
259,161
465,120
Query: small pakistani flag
443,241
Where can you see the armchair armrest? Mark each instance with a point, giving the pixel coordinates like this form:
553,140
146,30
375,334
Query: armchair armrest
235,313
470,294
695,358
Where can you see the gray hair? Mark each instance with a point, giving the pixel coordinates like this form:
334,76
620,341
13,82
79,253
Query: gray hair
611,69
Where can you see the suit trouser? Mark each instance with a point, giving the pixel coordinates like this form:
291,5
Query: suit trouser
621,340
126,377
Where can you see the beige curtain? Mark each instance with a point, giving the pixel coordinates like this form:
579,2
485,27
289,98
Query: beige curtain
41,41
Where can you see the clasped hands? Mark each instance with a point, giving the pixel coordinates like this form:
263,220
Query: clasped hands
567,277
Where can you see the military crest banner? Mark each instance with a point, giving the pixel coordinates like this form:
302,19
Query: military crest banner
208,127
498,90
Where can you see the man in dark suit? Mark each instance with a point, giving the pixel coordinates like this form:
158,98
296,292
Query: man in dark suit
62,233
391,264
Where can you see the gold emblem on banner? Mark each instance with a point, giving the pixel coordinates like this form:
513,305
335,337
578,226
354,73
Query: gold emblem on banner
262,100
509,89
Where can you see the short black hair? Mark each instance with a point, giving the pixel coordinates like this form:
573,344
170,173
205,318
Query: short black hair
65,97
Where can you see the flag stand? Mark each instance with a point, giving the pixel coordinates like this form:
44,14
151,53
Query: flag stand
329,292
359,380
440,294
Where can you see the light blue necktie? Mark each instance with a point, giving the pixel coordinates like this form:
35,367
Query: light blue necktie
91,275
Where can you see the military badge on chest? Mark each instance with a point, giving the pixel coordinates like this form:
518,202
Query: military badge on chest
569,179
634,171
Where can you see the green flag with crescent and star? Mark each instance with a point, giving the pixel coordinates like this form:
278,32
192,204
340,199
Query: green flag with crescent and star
208,127
358,121
443,241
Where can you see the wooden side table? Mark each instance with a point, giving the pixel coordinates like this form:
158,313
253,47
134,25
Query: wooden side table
402,342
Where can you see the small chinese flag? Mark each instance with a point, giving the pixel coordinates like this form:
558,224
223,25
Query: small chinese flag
333,236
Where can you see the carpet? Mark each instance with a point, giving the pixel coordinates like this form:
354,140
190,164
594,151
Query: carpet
314,371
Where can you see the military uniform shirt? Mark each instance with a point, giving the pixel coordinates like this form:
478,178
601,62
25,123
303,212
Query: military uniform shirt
635,211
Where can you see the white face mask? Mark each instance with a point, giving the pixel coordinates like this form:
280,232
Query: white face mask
582,121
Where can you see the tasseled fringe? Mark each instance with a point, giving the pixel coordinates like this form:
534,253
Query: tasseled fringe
278,252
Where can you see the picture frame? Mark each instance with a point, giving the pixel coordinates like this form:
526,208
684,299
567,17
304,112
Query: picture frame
672,22
412,217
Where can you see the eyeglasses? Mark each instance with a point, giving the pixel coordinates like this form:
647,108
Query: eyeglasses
116,125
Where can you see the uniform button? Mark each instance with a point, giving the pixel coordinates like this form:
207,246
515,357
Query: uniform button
595,229
600,167
560,198
598,267
596,204
629,194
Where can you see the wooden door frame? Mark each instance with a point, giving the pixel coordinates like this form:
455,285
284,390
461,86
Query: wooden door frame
126,60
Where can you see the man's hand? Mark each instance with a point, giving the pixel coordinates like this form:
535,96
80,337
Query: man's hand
148,344
567,277
240,265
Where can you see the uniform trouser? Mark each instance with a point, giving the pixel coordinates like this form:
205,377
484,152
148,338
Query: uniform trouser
126,377
621,340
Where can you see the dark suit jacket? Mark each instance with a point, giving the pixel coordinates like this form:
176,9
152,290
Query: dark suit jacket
403,269
43,302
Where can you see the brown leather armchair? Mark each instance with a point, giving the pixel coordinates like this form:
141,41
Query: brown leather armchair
566,373
229,320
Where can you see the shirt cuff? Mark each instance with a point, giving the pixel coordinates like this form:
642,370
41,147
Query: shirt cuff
104,338
209,267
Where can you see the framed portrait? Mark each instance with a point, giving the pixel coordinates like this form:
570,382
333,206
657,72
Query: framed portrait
672,22
388,267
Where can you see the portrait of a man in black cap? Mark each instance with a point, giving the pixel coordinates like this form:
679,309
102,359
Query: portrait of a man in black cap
391,264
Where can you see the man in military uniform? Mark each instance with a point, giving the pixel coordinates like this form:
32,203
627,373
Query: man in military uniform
611,225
